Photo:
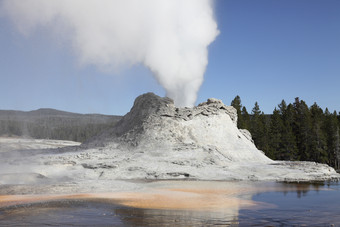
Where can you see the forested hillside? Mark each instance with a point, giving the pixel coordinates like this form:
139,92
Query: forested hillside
53,124
294,131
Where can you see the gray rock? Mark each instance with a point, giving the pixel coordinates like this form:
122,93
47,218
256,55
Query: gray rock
247,134
151,113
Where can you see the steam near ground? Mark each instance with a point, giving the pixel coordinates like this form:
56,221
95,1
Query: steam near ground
170,37
155,140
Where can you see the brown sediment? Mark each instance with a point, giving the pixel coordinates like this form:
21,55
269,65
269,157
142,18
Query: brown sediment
188,199
171,195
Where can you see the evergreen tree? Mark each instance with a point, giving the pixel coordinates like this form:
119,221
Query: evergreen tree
256,110
264,140
236,103
275,135
294,131
245,119
333,141
282,107
317,144
301,128
258,128
255,122
289,148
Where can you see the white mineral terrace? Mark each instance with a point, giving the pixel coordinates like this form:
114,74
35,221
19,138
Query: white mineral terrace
155,140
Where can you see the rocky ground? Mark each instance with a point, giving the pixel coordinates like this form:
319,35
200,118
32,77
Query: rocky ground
155,140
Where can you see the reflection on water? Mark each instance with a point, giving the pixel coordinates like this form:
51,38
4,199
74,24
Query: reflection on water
81,213
184,204
148,217
62,213
307,205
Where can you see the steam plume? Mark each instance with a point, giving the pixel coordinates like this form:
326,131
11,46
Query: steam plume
170,37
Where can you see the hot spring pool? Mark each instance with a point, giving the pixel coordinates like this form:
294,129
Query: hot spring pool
184,203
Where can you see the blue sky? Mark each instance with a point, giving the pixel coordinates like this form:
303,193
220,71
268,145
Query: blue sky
267,51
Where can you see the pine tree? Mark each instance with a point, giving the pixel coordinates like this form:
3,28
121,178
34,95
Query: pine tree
245,118
333,141
255,122
236,103
282,107
256,110
301,128
264,142
275,135
258,128
294,131
317,144
289,147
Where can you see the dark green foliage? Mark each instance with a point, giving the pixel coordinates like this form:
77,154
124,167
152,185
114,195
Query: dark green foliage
317,143
295,132
243,120
236,103
245,123
301,128
332,134
275,135
259,128
53,124
288,148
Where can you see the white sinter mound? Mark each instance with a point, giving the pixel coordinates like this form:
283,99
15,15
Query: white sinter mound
156,140
206,132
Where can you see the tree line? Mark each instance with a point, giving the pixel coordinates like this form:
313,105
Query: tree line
73,132
54,124
294,131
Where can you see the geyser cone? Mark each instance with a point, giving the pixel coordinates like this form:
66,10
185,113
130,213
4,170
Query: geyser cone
157,140
155,123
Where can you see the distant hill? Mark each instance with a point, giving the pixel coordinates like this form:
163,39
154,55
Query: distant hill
54,124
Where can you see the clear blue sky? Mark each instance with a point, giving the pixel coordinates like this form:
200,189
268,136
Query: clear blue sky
267,51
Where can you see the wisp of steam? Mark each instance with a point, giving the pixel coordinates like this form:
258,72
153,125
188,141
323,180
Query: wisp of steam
170,37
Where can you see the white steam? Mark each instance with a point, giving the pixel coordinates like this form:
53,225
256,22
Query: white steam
170,37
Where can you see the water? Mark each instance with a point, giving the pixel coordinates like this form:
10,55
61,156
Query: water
307,205
271,204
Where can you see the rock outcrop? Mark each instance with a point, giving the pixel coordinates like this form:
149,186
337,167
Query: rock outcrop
154,123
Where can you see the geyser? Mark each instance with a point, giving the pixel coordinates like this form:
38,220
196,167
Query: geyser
156,140
170,37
